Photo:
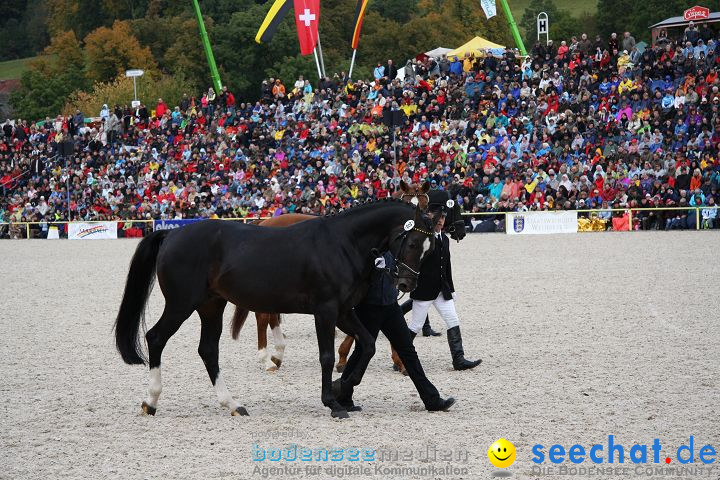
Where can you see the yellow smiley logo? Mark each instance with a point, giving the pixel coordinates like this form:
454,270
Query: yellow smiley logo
502,453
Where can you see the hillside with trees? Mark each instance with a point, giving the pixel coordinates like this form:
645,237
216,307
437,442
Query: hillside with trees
88,44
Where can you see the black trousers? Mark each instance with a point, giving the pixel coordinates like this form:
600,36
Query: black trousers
390,320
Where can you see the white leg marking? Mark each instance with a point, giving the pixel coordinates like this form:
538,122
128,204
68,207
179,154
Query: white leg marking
155,387
224,395
264,358
279,341
262,355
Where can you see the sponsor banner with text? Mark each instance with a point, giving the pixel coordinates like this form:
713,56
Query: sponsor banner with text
533,223
92,231
171,224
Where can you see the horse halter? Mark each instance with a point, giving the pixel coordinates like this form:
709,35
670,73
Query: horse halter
395,273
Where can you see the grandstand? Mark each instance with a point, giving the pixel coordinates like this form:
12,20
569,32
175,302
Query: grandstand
578,125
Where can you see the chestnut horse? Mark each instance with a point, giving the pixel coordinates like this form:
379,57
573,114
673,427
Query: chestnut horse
272,320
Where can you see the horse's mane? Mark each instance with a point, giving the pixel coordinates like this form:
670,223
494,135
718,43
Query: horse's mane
371,204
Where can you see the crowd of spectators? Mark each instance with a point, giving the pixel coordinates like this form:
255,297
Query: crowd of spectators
580,125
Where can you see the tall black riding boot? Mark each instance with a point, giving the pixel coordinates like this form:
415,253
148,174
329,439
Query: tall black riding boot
456,350
427,329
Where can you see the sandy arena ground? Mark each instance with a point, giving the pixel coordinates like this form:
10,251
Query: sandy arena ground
581,336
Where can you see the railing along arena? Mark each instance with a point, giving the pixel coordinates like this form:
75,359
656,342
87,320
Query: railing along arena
630,211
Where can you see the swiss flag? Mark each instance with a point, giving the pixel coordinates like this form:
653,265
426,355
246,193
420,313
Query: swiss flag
307,17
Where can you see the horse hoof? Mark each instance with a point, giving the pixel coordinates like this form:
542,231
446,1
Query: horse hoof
340,368
272,369
340,414
240,411
276,361
148,410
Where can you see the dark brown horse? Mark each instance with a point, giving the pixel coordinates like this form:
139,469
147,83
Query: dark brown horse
205,265
414,194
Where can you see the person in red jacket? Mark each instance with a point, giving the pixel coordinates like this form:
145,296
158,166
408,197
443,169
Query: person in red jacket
230,101
553,103
161,108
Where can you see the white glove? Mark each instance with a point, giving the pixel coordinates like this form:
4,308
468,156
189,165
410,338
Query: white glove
454,295
380,262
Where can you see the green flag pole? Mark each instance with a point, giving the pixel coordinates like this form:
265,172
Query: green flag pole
208,49
513,27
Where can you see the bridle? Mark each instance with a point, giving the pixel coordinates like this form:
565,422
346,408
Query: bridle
395,272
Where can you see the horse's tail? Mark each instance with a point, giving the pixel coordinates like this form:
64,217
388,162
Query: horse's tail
138,286
238,321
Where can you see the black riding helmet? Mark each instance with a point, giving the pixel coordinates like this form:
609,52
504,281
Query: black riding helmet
438,200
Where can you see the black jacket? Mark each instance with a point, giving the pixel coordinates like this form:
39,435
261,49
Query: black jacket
382,289
435,274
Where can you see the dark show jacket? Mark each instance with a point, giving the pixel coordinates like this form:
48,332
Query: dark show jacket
435,273
382,289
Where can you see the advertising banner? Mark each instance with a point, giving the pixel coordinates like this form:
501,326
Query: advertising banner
92,231
532,223
171,224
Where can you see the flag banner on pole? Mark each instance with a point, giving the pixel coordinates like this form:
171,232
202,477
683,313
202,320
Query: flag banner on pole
489,8
272,20
359,15
307,17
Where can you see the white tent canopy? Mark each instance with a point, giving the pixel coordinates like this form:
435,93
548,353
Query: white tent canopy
438,52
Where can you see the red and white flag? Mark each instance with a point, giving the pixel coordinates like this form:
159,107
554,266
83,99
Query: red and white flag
307,17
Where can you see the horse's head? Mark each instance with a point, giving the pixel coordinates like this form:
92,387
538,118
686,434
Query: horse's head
441,203
410,245
415,194
454,223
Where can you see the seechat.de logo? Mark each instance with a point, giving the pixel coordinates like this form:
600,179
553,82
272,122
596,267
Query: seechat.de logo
614,452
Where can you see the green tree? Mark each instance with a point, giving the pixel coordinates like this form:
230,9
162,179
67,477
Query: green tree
243,62
399,11
36,31
23,30
85,16
51,79
175,45
125,9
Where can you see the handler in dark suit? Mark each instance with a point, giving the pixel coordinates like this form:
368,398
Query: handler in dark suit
379,311
435,287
